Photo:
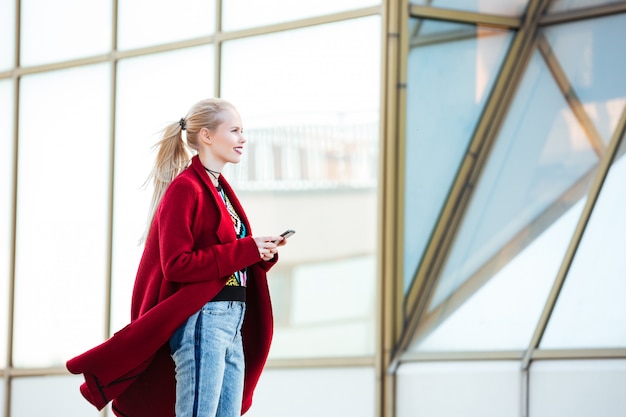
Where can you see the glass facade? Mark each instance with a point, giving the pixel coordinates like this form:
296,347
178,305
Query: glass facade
454,171
515,254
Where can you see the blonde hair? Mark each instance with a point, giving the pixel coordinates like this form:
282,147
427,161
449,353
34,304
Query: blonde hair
173,154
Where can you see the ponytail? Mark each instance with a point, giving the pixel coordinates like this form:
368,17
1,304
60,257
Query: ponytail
173,155
172,158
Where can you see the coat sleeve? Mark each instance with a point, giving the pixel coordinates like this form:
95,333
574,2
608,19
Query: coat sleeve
181,260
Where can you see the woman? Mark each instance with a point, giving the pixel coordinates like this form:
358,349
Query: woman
200,286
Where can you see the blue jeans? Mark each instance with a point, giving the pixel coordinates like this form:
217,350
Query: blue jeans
208,354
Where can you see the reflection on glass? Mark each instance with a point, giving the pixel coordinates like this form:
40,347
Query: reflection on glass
7,34
540,167
590,310
60,30
503,313
242,14
151,91
6,195
595,66
163,21
62,215
53,394
451,70
498,7
566,5
311,117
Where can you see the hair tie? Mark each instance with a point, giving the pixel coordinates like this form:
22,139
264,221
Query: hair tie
182,123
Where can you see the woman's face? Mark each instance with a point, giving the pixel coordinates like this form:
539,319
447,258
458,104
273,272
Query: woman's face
227,139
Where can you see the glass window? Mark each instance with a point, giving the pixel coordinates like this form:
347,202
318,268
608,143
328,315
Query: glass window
49,396
7,34
589,53
499,7
6,197
150,22
446,389
503,313
62,220
590,310
242,14
451,70
61,30
152,91
311,116
328,383
577,388
539,168
566,5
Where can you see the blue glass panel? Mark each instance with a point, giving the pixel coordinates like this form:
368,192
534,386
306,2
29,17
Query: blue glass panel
533,163
448,85
591,55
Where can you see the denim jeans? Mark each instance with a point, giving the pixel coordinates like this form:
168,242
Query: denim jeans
208,354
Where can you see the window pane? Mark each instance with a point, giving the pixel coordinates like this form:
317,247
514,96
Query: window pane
590,53
540,154
7,34
577,388
503,313
63,29
148,97
6,200
451,70
446,389
242,14
50,396
360,400
566,5
505,8
590,310
311,116
163,21
62,214
539,168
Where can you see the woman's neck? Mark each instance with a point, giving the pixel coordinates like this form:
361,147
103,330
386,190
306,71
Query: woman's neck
212,168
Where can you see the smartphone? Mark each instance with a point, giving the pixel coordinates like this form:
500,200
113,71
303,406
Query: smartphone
287,233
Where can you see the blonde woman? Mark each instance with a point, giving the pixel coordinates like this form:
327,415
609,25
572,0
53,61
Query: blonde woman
201,319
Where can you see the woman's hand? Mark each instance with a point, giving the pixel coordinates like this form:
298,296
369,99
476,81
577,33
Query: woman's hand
268,246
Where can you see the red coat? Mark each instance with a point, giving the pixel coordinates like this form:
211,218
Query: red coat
190,251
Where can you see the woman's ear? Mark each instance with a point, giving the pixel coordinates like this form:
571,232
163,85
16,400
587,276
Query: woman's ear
205,135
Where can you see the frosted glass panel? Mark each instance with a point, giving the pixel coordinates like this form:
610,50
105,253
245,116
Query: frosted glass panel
505,8
590,310
62,216
453,389
50,396
6,197
148,97
150,22
448,84
577,388
7,34
327,383
241,14
311,117
60,30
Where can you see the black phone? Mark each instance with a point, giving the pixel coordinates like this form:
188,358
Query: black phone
287,233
